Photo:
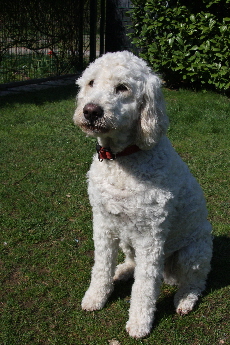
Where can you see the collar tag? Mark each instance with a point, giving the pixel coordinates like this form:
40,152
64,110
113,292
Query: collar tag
104,153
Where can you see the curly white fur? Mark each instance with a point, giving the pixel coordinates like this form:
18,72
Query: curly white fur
147,202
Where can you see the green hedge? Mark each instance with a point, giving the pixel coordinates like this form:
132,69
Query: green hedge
187,43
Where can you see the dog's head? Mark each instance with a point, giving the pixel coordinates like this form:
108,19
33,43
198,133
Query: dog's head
120,99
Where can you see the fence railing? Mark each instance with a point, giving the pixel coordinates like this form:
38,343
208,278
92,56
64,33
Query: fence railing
46,38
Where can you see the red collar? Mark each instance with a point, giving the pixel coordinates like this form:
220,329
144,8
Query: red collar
106,153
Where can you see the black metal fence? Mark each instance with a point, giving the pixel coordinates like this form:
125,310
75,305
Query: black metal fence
45,38
117,25
50,38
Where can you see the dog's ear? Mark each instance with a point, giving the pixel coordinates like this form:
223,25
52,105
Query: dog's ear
153,122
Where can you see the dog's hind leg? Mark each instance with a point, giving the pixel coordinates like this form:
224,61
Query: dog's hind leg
192,269
125,270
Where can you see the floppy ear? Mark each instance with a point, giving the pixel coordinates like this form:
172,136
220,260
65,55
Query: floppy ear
153,121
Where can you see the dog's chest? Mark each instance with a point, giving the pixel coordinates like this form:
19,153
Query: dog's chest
117,191
114,191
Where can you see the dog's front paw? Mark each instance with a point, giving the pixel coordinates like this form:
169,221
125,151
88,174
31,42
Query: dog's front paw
138,327
95,299
92,302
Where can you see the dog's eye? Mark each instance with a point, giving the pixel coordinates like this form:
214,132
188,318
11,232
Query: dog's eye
121,88
91,83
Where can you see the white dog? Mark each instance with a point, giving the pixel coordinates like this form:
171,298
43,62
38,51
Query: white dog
143,196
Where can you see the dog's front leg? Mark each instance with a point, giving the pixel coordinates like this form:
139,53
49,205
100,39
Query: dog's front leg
101,286
145,291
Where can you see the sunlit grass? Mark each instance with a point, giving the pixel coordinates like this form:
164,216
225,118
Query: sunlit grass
46,247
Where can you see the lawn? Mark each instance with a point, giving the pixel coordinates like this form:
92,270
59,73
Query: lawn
46,247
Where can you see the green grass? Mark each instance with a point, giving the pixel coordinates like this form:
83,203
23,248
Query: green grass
46,247
25,66
18,67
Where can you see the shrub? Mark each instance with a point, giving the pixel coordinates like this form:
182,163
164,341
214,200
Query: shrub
187,43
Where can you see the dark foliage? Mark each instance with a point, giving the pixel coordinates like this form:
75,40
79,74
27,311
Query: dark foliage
187,42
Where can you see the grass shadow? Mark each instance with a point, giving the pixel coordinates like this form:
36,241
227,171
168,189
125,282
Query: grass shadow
52,94
122,290
219,276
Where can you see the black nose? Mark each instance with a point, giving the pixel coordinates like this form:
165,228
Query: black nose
92,112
